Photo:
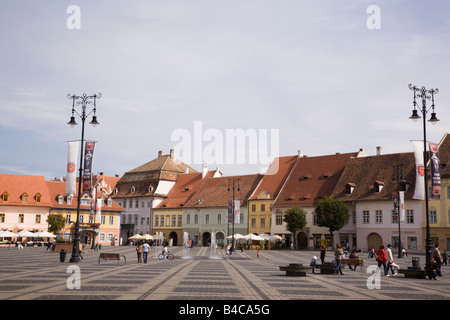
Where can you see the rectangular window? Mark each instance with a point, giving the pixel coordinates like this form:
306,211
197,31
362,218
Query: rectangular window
410,216
180,221
433,216
161,224
38,218
102,237
207,218
366,216
156,221
412,242
279,219
263,207
253,222
378,216
110,237
103,220
21,218
253,207
219,218
2,217
68,217
111,220
174,220
263,222
196,219
188,219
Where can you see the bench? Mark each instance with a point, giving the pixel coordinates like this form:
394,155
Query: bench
411,272
111,256
326,268
353,262
295,270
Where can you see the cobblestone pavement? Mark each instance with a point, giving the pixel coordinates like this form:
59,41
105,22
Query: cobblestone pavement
199,274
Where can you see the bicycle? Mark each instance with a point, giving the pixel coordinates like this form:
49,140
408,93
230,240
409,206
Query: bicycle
169,256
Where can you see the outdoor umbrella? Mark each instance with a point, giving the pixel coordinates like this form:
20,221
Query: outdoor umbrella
148,237
45,234
7,234
137,237
268,237
252,236
27,234
237,236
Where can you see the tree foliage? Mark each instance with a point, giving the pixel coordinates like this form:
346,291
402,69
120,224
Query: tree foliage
55,222
295,219
332,214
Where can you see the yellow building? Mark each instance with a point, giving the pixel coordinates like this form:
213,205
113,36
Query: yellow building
260,213
170,223
439,210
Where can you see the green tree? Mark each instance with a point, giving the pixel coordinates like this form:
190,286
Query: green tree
55,222
295,219
332,214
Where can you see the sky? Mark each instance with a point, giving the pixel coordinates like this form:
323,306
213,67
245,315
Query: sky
320,76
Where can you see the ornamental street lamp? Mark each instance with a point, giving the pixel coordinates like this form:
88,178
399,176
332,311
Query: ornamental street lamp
397,174
425,95
83,100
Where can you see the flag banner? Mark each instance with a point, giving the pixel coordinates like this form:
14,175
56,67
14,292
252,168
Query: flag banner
71,174
402,205
92,212
230,211
419,190
237,212
87,171
435,172
395,198
99,209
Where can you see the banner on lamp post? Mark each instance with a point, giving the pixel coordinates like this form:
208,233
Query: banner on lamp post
237,212
71,174
87,172
402,205
435,172
419,190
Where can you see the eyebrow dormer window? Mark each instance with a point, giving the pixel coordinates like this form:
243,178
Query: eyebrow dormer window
38,197
5,196
349,188
378,186
24,197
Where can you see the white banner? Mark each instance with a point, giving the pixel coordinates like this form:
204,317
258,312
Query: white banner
99,210
402,205
237,212
419,190
71,174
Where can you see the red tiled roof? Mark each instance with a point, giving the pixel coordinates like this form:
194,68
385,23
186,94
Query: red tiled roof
311,179
275,177
214,192
185,187
365,172
17,185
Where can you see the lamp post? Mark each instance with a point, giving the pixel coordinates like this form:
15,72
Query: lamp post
425,95
398,175
83,100
233,184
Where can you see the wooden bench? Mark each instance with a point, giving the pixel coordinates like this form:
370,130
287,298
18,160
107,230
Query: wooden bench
327,268
111,256
296,270
352,262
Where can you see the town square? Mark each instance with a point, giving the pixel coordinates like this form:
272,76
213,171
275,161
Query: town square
209,159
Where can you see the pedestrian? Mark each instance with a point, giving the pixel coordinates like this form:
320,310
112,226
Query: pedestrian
291,248
139,250
257,253
431,269
371,252
382,259
444,257
323,254
338,253
145,247
313,263
390,259
436,254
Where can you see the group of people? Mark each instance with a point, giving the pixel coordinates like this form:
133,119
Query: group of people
143,248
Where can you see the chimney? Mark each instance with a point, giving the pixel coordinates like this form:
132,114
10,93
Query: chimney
379,151
186,170
160,153
300,154
172,154
204,170
116,175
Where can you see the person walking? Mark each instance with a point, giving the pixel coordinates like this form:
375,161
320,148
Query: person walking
382,259
139,250
390,259
323,254
444,257
436,254
338,253
145,248
431,269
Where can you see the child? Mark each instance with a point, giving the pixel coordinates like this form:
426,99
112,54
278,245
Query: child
313,263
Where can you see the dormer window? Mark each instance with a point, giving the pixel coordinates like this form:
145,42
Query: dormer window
305,177
186,189
150,189
133,189
378,186
116,190
5,196
109,202
349,188
69,199
24,197
60,199
38,197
